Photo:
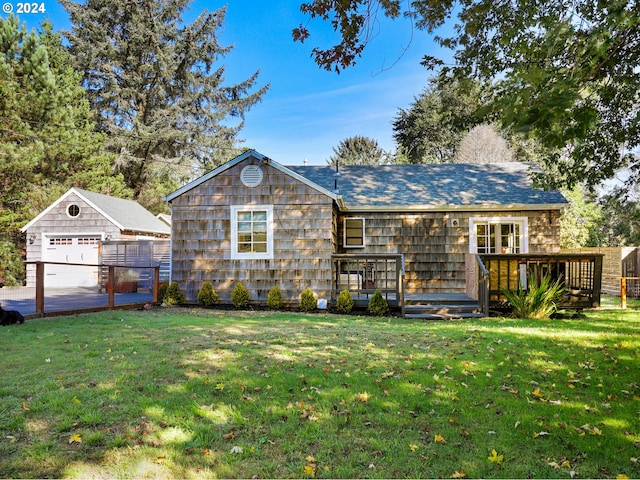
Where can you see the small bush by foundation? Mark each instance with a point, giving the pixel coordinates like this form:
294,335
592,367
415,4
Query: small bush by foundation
174,296
274,299
207,295
344,304
308,301
240,296
378,306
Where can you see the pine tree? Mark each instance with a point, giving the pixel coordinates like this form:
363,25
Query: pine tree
358,150
47,141
157,88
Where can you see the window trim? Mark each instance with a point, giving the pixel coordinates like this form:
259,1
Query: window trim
235,254
344,232
523,222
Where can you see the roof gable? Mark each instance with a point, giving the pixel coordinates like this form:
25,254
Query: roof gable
127,215
241,158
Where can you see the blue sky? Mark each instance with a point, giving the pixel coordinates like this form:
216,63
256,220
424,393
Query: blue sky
307,111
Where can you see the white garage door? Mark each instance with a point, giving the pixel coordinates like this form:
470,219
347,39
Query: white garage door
71,249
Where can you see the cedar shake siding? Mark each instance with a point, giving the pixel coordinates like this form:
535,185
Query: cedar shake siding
435,250
303,237
434,215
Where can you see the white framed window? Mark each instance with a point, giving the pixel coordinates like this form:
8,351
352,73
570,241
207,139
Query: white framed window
498,235
252,232
353,233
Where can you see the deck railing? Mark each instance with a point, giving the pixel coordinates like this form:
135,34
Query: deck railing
483,286
362,275
581,275
107,293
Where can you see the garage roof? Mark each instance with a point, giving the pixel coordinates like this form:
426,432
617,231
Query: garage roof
127,215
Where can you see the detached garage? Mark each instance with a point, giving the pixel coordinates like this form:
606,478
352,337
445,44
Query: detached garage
73,228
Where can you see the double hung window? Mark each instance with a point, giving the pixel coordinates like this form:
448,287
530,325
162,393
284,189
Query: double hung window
252,232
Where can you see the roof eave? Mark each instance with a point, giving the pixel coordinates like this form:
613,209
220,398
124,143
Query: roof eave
452,208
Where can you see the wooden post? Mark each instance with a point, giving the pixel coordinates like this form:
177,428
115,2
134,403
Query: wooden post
111,287
156,282
597,280
40,288
623,292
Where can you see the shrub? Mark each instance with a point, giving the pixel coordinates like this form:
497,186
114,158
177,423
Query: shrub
540,301
207,296
174,295
240,296
378,306
344,304
274,299
162,291
308,301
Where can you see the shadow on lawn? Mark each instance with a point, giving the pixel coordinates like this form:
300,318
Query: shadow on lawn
214,396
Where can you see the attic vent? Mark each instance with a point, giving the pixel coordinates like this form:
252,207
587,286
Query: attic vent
251,175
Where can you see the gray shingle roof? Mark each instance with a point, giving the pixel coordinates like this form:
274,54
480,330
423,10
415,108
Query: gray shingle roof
433,185
130,215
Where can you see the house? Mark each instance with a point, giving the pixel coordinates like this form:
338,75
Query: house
74,227
255,221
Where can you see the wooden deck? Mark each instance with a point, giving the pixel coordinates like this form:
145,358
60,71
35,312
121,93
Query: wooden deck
362,275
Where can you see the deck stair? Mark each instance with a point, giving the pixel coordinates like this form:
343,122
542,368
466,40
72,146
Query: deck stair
441,306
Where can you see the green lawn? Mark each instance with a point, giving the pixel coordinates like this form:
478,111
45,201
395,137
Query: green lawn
209,394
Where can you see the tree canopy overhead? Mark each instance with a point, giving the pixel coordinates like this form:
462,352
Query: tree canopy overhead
565,71
157,88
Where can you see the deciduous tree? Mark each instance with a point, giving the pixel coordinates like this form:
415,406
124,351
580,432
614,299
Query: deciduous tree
565,73
483,144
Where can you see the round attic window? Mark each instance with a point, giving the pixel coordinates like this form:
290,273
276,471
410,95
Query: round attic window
251,175
73,210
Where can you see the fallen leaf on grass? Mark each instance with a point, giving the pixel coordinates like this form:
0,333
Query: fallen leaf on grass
495,458
439,439
75,438
363,397
540,434
160,459
459,474
538,394
413,447
309,469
